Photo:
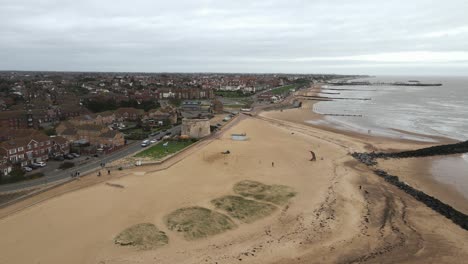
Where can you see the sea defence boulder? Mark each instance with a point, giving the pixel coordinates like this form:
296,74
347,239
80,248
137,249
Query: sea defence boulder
369,158
435,204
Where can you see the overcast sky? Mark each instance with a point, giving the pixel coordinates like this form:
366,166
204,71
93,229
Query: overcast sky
413,37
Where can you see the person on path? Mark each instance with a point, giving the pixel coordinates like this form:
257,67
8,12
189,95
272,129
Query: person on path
108,172
272,164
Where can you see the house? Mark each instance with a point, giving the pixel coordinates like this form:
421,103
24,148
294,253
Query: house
68,111
95,134
19,119
24,150
217,107
191,106
103,118
60,146
128,114
163,116
265,96
111,139
157,118
184,93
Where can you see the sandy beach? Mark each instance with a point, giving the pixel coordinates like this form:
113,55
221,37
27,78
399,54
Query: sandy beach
341,213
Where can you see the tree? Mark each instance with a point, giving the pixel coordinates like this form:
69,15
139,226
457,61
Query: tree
50,131
175,102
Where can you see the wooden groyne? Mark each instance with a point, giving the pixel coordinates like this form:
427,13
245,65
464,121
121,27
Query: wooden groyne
341,89
342,115
413,83
333,98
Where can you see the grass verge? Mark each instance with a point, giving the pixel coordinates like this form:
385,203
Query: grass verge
283,89
243,209
159,151
198,222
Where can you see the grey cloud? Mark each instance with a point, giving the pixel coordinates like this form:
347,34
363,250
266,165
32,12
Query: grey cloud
193,36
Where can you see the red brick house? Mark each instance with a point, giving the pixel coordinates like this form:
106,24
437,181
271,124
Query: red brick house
28,149
129,113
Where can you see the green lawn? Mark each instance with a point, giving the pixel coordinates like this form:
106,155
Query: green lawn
232,94
284,89
159,151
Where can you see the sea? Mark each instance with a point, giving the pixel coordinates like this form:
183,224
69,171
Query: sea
432,110
409,112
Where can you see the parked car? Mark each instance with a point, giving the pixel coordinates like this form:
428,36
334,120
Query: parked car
76,155
168,133
69,156
27,169
59,158
153,141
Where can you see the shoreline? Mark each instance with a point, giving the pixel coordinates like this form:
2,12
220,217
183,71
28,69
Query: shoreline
416,171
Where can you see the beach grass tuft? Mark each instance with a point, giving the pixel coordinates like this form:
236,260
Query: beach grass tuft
277,194
198,222
243,209
143,236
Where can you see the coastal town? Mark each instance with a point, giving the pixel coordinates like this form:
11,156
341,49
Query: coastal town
179,164
233,132
51,122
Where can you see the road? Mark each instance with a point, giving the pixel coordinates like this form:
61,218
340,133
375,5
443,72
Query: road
92,164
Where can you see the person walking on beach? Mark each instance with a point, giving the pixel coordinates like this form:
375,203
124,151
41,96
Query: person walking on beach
108,172
99,173
272,164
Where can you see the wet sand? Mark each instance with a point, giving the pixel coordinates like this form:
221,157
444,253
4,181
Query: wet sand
342,213
419,173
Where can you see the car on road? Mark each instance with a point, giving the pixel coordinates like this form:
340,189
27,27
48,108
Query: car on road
40,164
76,155
27,169
145,143
154,134
153,141
68,156
168,133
